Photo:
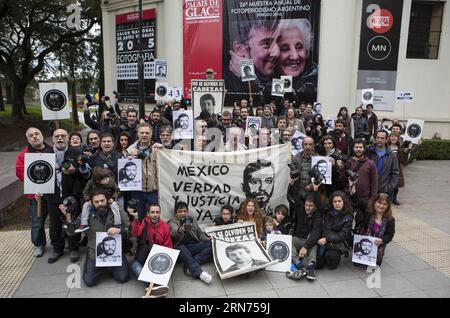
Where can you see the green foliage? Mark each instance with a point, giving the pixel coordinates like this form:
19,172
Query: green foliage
433,149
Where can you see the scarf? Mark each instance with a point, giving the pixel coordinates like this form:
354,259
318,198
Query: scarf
381,228
332,151
59,156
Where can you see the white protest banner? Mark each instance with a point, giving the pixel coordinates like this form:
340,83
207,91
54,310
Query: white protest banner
161,91
414,130
364,250
252,126
237,250
367,96
323,167
207,96
159,265
287,83
160,69
39,173
183,124
297,142
406,97
279,247
206,181
247,70
108,250
277,87
54,101
130,174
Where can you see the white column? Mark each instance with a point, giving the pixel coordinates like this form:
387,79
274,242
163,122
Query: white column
173,42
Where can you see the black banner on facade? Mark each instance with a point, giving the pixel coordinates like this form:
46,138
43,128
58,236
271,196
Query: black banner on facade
378,50
281,37
127,51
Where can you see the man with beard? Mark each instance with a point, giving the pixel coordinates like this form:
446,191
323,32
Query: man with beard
365,187
102,220
343,140
156,122
130,126
258,182
106,157
36,144
106,249
127,175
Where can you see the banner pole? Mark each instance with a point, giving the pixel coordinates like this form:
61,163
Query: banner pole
148,291
250,99
38,206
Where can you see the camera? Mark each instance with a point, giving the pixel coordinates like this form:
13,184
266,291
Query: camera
71,203
90,101
294,171
111,112
116,95
187,223
342,157
133,204
87,148
83,160
316,175
67,163
141,155
352,175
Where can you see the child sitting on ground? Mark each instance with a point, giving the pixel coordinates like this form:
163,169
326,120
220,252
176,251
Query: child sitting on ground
101,178
269,228
226,216
283,222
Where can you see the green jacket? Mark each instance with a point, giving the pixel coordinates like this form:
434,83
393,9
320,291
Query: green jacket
178,233
96,225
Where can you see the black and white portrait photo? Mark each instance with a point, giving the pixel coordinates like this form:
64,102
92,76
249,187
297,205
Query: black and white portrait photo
241,256
183,125
414,130
367,96
54,101
323,166
207,98
277,87
130,174
279,248
258,182
108,250
287,83
247,70
161,91
297,142
364,250
39,174
159,265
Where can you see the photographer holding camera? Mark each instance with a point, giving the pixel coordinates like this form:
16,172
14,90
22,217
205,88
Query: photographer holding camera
106,157
194,245
362,179
130,126
71,177
107,121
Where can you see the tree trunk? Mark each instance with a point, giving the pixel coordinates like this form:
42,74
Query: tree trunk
18,100
8,87
101,84
2,104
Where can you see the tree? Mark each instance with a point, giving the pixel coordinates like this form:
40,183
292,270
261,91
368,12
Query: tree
33,30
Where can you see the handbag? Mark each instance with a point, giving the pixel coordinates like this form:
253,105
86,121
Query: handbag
144,246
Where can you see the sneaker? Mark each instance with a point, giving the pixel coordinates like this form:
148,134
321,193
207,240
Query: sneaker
54,257
395,201
82,228
206,278
74,256
310,273
38,251
159,291
297,275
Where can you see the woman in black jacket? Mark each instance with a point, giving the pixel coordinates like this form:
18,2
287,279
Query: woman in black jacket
337,230
380,223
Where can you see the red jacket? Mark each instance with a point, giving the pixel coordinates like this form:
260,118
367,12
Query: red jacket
161,231
20,162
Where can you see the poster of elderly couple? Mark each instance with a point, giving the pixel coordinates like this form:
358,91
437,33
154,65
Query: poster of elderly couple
280,38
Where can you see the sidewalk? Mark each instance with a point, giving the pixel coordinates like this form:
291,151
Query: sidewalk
416,264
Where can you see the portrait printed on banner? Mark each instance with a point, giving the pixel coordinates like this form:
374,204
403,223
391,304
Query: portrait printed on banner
364,250
130,174
183,125
323,166
108,250
258,183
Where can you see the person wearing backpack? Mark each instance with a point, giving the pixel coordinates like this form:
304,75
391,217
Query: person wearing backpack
151,230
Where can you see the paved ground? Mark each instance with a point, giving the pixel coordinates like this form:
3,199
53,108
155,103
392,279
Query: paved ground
417,263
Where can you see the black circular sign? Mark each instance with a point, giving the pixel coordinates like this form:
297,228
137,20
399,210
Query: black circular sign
160,263
161,91
279,250
40,172
379,48
414,131
55,100
367,96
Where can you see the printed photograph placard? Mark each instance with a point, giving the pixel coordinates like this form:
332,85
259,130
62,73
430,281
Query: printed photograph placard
160,69
130,174
183,124
323,166
159,265
54,101
277,87
161,91
297,142
364,250
253,125
287,83
207,96
108,250
279,248
39,173
414,130
247,70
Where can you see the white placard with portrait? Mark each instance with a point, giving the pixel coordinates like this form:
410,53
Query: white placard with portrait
323,166
183,124
364,250
367,96
39,173
54,101
161,91
130,174
108,250
297,142
160,69
159,265
287,79
279,247
414,130
277,87
247,70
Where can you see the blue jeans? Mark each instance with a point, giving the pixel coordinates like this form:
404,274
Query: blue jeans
37,223
136,268
144,199
92,274
193,255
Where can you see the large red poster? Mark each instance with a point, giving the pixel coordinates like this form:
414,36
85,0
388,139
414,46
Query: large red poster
202,40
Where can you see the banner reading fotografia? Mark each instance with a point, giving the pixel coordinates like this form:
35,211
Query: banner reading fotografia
207,181
378,51
127,51
281,37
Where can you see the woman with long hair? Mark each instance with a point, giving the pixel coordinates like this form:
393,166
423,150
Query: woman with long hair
124,142
380,223
251,212
343,114
337,231
328,149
